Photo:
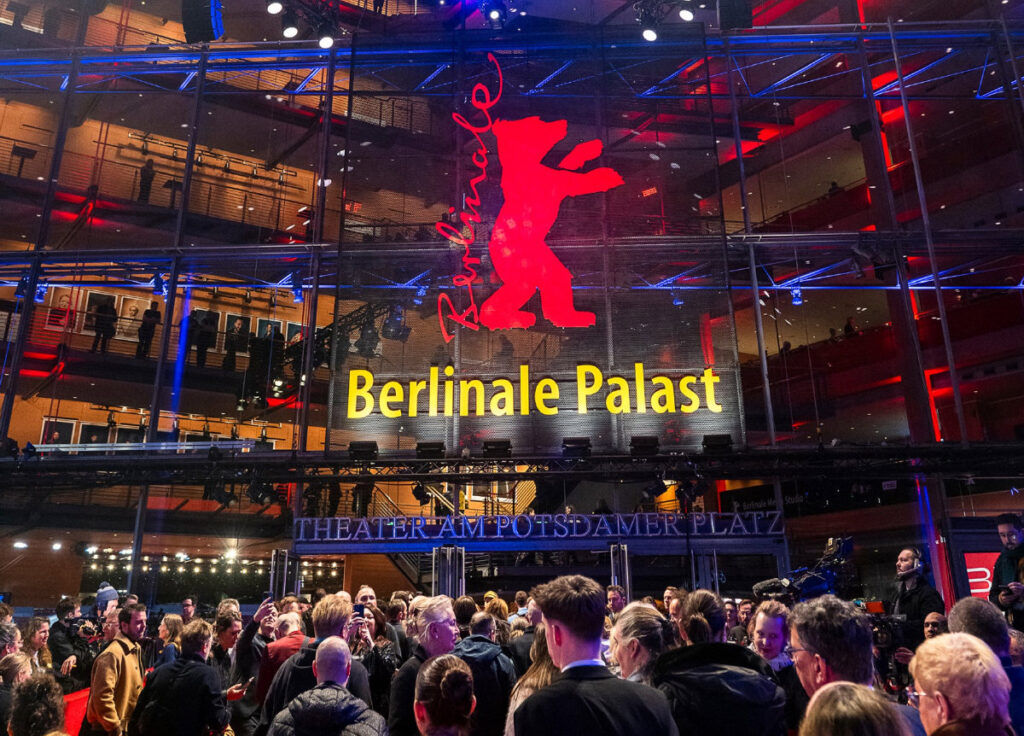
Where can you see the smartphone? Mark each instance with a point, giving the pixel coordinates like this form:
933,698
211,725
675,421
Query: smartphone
249,682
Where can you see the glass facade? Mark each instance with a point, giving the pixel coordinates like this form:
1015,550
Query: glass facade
780,236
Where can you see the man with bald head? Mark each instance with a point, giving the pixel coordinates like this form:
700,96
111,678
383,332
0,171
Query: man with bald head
329,704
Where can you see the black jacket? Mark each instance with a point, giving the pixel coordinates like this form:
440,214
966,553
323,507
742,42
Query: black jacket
64,643
328,710
401,721
721,688
915,604
403,640
248,653
591,701
296,676
183,698
494,676
519,650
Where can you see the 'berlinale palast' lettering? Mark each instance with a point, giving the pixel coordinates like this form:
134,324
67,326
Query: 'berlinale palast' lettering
540,526
658,394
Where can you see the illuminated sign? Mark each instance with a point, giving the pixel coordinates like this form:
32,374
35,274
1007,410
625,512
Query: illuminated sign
533,193
638,393
979,572
551,527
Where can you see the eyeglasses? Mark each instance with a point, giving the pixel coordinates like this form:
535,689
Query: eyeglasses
914,697
790,650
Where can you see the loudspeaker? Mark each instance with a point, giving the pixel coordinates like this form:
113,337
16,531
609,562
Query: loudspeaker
202,20
735,14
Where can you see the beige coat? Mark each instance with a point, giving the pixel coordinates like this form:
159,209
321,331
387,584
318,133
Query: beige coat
117,680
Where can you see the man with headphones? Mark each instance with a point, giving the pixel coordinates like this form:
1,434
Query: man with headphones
915,597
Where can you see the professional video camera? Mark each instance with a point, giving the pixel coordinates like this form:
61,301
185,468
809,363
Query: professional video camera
83,626
830,574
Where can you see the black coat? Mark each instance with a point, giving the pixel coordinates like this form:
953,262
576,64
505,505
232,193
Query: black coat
591,701
519,650
183,698
296,676
721,688
248,653
401,720
915,604
328,710
494,676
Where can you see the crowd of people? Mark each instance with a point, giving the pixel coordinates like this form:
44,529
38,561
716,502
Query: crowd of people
570,656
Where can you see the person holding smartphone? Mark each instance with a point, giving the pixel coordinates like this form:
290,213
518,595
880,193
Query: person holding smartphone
1007,589
369,644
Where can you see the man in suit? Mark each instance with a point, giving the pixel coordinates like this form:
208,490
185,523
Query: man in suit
588,698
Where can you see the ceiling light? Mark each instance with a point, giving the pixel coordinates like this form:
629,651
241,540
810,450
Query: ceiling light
274,7
650,34
20,545
326,34
289,24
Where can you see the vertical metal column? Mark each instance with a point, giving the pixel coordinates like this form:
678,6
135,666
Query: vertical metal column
11,390
755,287
285,573
449,571
619,558
926,222
337,357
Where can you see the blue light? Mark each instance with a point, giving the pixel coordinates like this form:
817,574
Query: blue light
159,289
41,288
296,282
798,297
677,298
420,293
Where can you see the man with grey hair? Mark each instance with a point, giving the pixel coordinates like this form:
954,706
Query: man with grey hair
289,641
830,641
329,707
982,619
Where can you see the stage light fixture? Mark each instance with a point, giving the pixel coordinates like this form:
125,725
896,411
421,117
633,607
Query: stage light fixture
365,451
717,444
325,33
429,450
677,298
686,14
643,445
41,288
159,288
576,447
420,294
366,345
798,297
274,7
419,492
21,290
289,24
497,448
394,327
296,282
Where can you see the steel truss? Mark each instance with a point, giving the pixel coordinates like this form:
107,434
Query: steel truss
853,463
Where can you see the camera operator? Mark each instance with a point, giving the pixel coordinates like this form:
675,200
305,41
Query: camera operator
69,645
915,598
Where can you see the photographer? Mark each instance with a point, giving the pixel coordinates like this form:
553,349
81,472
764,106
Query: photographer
69,645
1007,589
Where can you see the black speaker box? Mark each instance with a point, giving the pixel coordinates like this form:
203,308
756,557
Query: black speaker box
735,14
202,20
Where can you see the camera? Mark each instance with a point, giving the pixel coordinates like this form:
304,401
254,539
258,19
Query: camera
83,626
830,574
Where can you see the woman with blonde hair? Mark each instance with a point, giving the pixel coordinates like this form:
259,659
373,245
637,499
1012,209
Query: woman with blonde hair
960,687
639,637
170,636
502,628
541,673
848,709
14,669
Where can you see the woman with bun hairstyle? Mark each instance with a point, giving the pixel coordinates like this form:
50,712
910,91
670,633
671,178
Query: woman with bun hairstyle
444,697
715,687
639,637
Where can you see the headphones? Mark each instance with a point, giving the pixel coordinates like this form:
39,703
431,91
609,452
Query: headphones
918,567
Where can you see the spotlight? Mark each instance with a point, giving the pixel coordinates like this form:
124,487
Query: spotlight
497,448
289,24
643,446
420,293
686,14
650,34
261,492
798,297
274,7
429,450
419,492
326,34
677,298
576,447
41,288
366,345
394,327
159,289
296,287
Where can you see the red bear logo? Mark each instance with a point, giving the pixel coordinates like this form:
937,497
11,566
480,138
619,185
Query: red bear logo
533,194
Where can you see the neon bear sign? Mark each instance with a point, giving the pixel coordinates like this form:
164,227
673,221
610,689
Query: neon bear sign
533,193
